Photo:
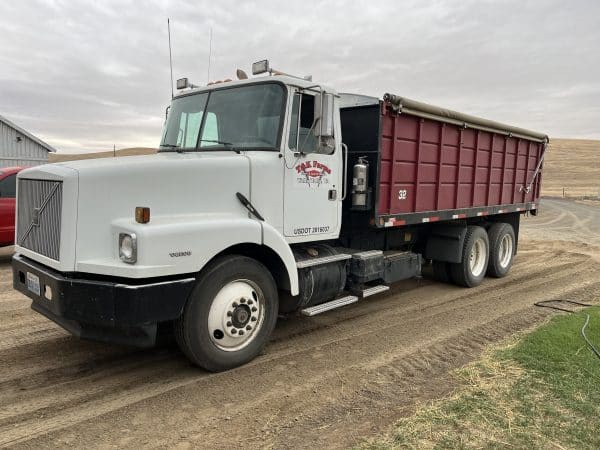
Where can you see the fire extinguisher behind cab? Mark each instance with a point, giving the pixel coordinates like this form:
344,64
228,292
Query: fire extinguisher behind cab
361,192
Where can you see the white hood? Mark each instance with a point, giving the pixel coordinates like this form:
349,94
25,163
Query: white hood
101,192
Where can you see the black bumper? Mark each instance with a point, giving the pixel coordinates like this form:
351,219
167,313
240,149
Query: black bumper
107,311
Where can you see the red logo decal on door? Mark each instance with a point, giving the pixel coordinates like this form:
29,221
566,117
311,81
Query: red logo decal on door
313,173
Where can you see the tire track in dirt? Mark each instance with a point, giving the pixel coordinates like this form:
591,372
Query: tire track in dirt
300,327
569,221
120,385
34,332
297,404
308,326
324,381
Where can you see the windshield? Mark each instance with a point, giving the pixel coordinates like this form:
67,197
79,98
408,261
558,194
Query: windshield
244,117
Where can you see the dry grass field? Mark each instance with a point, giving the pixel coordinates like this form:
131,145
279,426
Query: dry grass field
572,164
323,382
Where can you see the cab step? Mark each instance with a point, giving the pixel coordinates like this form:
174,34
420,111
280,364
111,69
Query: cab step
322,260
333,304
373,290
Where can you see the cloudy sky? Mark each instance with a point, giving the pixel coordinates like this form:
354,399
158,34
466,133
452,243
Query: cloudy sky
86,75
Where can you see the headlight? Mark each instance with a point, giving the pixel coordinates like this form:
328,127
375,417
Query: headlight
128,247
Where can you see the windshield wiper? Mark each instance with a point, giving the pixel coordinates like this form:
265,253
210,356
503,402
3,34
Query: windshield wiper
227,145
215,141
173,146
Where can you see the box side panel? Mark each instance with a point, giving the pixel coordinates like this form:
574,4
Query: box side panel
429,166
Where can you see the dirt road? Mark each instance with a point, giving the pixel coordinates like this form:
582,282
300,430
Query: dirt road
328,381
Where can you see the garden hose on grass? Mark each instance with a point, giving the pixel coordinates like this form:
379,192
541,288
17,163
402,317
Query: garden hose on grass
546,304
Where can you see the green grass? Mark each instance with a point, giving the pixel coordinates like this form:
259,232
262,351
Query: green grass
540,391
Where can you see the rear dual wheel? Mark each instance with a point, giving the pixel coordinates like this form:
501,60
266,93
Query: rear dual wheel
490,253
475,255
502,249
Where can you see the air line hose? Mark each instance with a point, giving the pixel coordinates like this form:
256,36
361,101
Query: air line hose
547,304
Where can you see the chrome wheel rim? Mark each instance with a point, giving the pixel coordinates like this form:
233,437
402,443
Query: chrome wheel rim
236,315
478,257
506,250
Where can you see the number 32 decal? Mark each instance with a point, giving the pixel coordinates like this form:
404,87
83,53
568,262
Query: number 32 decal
402,194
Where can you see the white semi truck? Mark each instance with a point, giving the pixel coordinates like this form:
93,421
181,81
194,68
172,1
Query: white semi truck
270,195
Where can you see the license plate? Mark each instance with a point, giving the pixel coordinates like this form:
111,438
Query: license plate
33,283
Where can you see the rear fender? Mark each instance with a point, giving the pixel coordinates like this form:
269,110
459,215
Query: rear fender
445,243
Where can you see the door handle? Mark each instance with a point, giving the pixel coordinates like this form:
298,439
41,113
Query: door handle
332,194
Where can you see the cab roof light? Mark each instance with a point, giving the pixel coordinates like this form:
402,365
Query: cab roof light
263,66
260,67
184,83
142,214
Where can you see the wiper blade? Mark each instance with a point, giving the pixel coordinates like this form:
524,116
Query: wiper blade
215,141
227,145
176,147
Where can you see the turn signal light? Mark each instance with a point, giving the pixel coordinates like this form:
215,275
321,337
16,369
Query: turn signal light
142,214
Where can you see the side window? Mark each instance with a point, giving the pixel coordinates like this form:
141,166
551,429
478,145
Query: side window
302,131
8,187
302,138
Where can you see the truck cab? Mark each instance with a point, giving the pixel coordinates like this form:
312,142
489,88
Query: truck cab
294,162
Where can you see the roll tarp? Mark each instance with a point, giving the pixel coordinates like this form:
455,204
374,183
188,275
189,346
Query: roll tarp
420,109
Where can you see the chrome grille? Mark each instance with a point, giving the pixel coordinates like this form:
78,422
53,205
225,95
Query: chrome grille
38,216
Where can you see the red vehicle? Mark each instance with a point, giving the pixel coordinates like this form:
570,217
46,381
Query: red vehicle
8,190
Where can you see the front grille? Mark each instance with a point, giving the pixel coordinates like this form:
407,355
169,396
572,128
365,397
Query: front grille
38,216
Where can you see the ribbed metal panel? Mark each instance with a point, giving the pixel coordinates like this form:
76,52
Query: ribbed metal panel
19,148
38,219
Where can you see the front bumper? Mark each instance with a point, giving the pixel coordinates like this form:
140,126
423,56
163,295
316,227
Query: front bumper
107,311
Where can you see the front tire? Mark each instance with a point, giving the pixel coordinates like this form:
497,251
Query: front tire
471,271
230,314
502,249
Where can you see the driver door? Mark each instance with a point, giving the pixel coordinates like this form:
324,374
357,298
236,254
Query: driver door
313,178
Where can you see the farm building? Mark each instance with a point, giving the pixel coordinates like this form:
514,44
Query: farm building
21,148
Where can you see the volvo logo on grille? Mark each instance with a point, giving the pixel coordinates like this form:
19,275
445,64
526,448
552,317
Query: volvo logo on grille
44,198
35,220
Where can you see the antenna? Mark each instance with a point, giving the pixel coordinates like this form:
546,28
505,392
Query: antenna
170,55
209,54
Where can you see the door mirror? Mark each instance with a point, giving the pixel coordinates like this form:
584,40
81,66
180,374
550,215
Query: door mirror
324,114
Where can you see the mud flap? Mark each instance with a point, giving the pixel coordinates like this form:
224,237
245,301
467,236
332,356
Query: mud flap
446,244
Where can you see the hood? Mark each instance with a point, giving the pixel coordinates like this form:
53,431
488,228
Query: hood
100,192
170,184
